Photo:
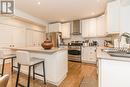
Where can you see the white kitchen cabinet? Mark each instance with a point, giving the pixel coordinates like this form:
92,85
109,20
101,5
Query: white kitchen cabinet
11,36
85,28
113,73
19,37
5,35
55,27
65,29
89,27
92,27
101,26
89,54
113,17
125,19
34,38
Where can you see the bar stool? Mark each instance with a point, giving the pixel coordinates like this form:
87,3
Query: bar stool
24,58
5,57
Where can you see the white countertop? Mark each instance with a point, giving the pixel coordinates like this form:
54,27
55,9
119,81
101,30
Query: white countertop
39,49
103,55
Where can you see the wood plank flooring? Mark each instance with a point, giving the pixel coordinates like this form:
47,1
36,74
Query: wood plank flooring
76,73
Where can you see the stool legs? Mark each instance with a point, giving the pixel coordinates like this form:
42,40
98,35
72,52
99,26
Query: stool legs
3,65
12,65
44,73
19,66
33,72
29,72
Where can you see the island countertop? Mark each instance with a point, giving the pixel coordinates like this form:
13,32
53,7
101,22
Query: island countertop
39,49
103,55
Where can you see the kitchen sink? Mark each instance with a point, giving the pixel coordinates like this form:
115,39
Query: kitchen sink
127,55
118,52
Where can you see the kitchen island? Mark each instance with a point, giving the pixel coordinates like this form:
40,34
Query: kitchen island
112,71
56,63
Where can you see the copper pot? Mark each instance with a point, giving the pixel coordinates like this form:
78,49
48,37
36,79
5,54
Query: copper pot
47,44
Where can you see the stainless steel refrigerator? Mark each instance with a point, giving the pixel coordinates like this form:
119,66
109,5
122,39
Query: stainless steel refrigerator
55,37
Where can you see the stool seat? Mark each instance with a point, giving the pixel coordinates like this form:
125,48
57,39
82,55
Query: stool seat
34,61
7,56
4,55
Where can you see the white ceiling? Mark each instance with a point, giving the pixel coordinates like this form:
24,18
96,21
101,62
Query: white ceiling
62,10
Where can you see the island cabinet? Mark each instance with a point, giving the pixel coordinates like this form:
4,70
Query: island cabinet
89,55
113,17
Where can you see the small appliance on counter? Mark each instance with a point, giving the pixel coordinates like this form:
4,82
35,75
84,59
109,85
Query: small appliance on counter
90,43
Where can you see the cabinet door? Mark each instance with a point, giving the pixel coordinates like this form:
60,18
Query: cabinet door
113,17
85,28
5,35
65,29
101,26
92,27
56,27
29,38
37,38
19,37
125,19
89,54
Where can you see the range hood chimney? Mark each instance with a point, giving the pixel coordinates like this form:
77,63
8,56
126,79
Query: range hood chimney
76,27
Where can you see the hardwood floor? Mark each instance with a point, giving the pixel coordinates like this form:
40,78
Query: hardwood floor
75,75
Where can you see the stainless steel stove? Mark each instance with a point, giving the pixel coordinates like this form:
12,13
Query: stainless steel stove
74,52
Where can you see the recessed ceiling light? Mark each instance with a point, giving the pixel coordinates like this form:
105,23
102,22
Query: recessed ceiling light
38,2
93,13
98,0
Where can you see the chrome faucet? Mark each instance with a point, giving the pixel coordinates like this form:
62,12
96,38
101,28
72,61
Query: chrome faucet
125,34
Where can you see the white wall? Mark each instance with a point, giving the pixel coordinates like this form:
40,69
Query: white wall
21,24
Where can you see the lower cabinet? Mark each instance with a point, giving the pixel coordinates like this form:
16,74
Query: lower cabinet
113,73
89,55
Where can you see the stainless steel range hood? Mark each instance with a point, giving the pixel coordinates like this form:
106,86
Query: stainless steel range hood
76,27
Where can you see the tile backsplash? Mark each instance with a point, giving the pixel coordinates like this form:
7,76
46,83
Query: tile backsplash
100,40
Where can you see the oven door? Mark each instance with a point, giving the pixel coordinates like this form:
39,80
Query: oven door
74,55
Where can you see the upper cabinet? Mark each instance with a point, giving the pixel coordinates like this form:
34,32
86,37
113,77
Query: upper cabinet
88,27
85,28
94,27
125,18
61,27
65,29
55,27
113,17
101,26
